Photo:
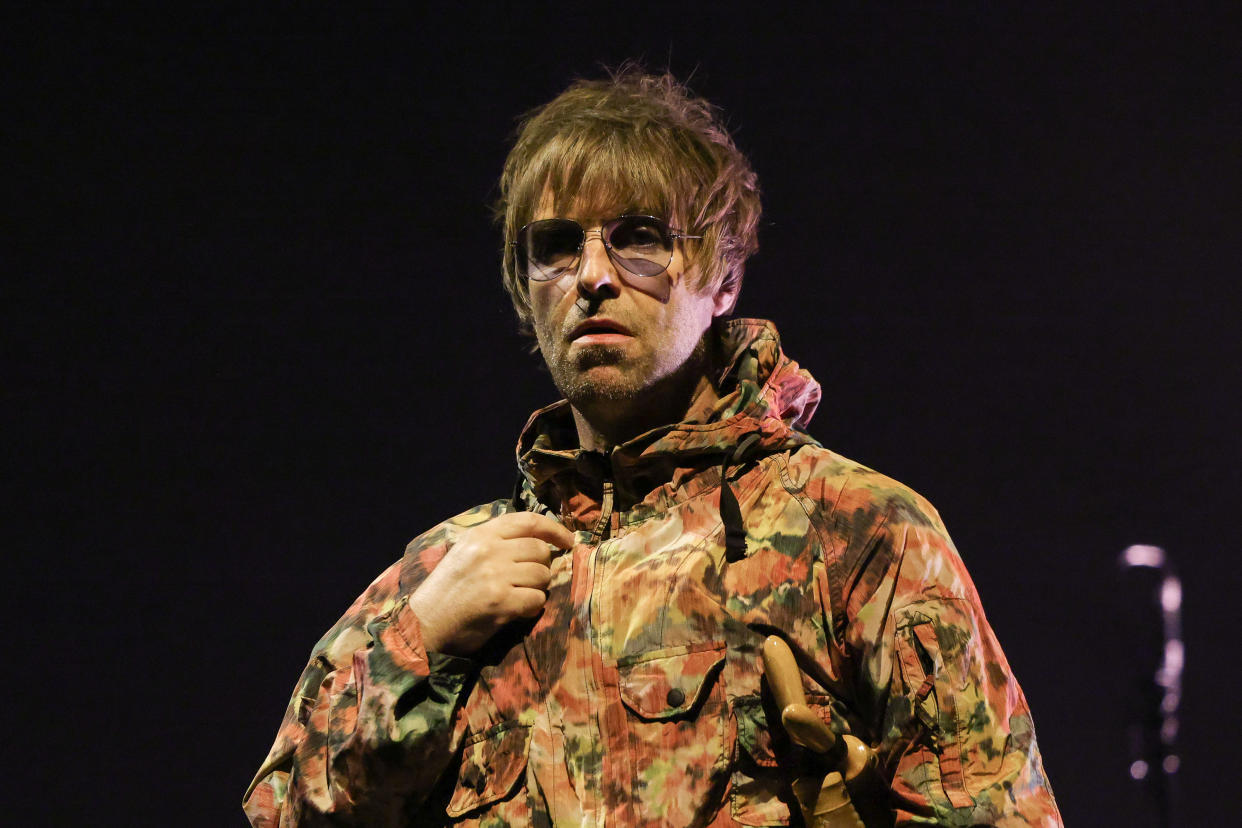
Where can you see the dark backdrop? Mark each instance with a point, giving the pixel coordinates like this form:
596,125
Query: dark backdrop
255,339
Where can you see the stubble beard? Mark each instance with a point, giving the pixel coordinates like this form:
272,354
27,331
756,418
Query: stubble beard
584,387
628,382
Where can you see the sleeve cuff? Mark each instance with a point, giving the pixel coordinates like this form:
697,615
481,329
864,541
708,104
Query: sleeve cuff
403,638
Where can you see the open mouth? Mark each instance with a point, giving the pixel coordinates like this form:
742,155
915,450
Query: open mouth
598,330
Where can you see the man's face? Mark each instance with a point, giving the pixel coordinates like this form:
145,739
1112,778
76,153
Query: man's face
608,338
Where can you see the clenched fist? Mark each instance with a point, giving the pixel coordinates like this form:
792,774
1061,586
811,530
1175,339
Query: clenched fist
496,572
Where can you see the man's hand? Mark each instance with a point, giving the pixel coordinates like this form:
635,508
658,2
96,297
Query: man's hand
496,572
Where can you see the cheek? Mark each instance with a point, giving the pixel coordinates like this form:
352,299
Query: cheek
690,317
545,299
657,287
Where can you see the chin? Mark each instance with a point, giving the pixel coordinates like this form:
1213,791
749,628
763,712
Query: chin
600,383
593,388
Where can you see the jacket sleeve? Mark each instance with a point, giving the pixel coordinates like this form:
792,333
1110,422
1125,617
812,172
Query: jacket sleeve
952,726
373,723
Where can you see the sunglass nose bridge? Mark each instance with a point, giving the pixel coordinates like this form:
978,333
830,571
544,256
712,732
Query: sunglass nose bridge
597,232
590,272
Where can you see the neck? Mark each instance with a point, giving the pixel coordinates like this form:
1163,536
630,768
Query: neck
607,423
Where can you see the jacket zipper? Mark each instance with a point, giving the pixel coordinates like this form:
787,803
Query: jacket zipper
596,704
599,535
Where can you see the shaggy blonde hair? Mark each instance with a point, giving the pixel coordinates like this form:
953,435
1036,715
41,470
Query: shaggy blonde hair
633,142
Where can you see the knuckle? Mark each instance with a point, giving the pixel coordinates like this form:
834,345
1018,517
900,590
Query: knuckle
467,545
493,596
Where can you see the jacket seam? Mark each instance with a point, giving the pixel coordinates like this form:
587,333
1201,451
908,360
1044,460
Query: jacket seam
832,562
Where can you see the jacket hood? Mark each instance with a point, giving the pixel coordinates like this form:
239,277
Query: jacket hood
761,392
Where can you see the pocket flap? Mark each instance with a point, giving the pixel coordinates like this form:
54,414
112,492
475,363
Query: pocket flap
662,684
490,768
753,732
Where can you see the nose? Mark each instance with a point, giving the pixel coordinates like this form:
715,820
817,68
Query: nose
596,273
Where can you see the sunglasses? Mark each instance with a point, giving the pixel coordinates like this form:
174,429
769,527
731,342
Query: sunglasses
550,248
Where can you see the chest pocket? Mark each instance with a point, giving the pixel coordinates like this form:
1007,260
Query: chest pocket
496,746
491,767
760,790
680,736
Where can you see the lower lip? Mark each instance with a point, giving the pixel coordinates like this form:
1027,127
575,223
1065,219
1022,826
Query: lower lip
601,338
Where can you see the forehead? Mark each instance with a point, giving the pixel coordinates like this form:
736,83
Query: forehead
597,177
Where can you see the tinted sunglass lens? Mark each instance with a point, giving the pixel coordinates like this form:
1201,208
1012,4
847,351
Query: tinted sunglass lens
552,246
642,245
640,233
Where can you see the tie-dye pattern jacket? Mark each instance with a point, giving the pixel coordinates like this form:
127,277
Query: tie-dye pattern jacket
637,698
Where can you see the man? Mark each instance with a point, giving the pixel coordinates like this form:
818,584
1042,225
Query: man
588,651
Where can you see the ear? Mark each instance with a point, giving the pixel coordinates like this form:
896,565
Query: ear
726,297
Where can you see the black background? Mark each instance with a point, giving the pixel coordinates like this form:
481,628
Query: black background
255,339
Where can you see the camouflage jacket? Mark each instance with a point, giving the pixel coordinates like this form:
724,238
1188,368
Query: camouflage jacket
636,697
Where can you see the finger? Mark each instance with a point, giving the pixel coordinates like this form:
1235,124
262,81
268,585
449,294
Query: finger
531,525
529,549
532,575
528,603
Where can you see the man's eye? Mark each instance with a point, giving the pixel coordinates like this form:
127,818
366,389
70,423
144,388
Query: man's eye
642,236
552,246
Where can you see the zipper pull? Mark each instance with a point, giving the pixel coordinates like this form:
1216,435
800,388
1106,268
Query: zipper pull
605,513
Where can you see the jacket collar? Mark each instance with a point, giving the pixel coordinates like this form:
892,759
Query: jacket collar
761,392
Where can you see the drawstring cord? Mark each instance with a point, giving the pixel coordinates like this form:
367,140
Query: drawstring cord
730,511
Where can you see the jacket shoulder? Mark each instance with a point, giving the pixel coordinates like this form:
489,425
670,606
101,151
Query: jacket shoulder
842,487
